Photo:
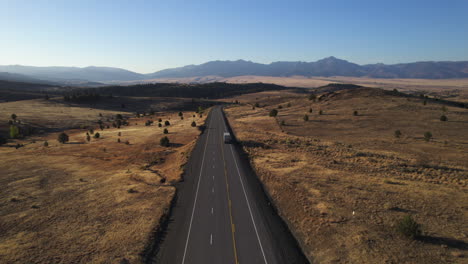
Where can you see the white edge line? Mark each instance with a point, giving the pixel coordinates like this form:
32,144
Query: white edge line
196,196
245,194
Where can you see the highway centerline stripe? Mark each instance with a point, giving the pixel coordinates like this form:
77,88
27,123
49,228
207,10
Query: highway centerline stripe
245,195
196,195
211,239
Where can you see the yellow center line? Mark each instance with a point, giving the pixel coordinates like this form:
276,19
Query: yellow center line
229,202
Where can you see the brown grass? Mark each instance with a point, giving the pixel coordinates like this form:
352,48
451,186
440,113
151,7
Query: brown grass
96,202
343,181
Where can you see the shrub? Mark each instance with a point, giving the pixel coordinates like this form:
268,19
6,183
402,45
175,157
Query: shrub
119,134
118,117
306,118
273,112
194,124
97,135
166,131
159,120
320,112
283,123
91,131
13,116
118,140
181,118
408,227
289,104
14,131
46,144
425,102
443,118
280,107
164,141
159,125
397,133
312,97
88,138
63,138
166,123
127,142
180,114
427,136
310,110
257,105
355,113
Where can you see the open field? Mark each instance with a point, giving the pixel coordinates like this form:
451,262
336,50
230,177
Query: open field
89,202
343,181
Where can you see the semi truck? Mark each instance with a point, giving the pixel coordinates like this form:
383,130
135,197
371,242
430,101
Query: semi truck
227,137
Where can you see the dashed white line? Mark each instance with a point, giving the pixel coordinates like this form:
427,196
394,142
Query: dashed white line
212,190
211,210
196,196
211,239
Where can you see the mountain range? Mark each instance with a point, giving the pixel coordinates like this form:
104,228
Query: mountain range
326,67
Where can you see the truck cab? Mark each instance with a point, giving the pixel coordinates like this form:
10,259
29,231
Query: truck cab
227,137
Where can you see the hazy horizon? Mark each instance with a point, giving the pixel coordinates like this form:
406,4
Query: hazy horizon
147,37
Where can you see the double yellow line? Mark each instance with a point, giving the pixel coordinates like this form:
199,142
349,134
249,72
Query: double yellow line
233,229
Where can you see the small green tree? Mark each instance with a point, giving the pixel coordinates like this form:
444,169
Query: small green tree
14,131
427,136
273,112
397,133
166,131
164,141
408,227
97,135
62,138
194,124
443,118
166,123
306,118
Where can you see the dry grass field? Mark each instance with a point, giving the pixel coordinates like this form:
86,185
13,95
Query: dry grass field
89,202
343,181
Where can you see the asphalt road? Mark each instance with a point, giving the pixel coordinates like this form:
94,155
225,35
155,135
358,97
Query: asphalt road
221,214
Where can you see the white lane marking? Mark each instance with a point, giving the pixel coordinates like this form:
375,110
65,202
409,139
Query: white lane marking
211,239
196,196
213,166
213,177
248,204
212,190
211,210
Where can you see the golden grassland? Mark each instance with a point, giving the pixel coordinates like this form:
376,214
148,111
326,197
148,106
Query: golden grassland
87,202
342,182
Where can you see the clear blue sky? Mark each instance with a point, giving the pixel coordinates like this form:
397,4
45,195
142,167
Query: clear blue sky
146,36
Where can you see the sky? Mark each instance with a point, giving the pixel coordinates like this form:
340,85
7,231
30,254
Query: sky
147,36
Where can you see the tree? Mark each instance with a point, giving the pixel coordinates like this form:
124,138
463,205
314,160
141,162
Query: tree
180,114
159,125
273,112
159,120
306,118
46,144
13,116
62,138
200,110
166,123
443,118
194,124
97,135
312,97
14,131
397,133
355,113
427,136
164,141
166,131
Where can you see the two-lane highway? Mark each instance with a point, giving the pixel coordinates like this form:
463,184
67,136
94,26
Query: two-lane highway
221,214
